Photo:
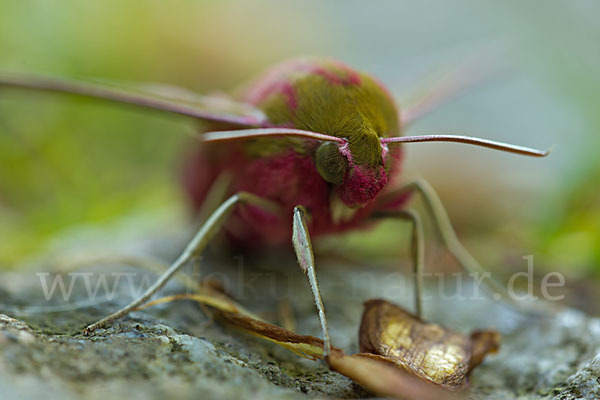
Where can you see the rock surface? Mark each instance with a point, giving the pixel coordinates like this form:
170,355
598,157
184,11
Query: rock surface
176,350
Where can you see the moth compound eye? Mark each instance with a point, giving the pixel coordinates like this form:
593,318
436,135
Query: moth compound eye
330,163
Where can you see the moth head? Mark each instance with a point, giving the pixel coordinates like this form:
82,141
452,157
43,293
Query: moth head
358,176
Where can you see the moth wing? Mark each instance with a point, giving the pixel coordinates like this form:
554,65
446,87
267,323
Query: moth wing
448,83
219,103
211,108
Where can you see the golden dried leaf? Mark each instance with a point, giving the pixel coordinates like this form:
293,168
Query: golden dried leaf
303,345
232,313
382,377
379,376
401,355
429,351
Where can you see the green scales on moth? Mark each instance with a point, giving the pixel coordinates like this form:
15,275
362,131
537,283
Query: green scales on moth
325,96
307,137
329,98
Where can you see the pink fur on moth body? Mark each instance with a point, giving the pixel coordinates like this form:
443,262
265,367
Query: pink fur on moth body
309,132
284,170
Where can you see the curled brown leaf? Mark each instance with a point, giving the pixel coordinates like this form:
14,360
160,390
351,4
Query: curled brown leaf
429,351
384,378
402,356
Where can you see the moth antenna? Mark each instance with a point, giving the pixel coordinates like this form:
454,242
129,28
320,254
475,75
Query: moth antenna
220,136
511,148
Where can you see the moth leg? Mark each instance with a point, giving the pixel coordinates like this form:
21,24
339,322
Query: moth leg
195,247
215,196
417,250
306,260
444,229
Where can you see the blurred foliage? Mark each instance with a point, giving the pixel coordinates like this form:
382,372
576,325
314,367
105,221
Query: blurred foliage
570,235
68,162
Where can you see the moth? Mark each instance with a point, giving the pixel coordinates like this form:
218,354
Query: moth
312,147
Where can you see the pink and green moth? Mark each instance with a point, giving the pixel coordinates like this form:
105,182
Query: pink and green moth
312,147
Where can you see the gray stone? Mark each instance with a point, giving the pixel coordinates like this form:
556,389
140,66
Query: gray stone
175,350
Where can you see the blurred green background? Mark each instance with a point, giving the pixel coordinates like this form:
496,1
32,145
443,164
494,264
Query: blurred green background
70,163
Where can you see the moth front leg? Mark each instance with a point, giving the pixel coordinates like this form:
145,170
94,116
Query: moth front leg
306,260
417,250
195,247
445,230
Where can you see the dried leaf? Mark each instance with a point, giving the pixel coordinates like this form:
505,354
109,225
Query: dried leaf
229,311
306,346
429,351
401,356
384,378
377,375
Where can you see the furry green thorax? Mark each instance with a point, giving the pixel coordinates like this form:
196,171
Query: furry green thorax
327,97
